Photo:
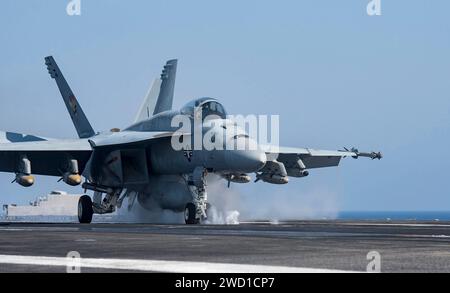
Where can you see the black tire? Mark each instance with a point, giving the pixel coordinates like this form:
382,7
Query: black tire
190,214
85,211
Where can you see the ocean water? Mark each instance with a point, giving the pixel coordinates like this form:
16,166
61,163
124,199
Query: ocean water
392,215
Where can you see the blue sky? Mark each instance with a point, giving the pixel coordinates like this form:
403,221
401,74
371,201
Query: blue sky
336,76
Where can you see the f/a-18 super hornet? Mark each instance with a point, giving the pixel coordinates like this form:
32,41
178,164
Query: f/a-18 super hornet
141,163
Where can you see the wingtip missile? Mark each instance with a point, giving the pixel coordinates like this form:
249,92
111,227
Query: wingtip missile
378,156
357,154
372,155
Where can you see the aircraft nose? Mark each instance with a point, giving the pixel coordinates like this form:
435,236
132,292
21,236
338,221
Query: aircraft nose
246,161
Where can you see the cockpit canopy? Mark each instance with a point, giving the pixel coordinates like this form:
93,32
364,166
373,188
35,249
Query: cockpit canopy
207,107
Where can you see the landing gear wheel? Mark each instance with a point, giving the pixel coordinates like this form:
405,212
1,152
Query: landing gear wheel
190,213
85,211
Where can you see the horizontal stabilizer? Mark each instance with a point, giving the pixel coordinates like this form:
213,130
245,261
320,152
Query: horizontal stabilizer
11,137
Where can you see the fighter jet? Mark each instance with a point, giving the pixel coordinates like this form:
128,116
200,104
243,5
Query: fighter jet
140,162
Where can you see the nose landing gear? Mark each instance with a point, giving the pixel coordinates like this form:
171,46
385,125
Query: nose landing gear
195,212
190,215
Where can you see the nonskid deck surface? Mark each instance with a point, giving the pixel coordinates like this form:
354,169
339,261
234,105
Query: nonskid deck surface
248,247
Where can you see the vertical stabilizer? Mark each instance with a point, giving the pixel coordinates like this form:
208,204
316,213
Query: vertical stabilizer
165,98
81,123
148,106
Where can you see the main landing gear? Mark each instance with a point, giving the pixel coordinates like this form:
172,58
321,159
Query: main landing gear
85,210
106,204
107,200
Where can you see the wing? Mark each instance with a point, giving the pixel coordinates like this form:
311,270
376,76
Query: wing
51,158
304,158
126,139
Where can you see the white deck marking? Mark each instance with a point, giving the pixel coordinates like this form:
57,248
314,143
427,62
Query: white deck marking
398,225
158,265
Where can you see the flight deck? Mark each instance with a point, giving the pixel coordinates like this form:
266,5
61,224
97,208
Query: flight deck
297,246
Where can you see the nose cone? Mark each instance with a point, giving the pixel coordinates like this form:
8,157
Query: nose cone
245,161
